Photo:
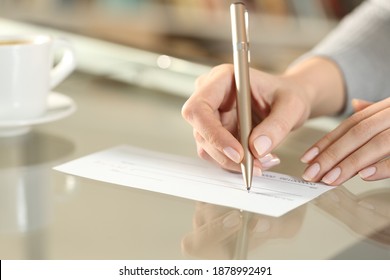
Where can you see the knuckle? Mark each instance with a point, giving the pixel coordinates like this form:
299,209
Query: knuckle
363,128
193,110
357,118
281,126
382,141
354,161
325,141
189,111
330,155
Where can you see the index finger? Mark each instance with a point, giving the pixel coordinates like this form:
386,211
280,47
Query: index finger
214,94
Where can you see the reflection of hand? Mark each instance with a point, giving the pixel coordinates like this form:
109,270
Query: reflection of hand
367,215
215,230
360,144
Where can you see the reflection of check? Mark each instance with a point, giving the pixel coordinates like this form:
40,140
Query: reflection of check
272,194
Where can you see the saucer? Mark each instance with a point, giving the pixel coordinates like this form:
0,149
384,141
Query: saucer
59,107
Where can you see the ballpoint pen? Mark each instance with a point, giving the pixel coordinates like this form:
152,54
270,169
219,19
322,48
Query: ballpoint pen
239,22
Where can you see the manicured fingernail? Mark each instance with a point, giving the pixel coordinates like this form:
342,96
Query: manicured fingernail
271,163
266,158
232,220
310,155
367,172
262,144
332,176
232,154
311,172
257,171
262,225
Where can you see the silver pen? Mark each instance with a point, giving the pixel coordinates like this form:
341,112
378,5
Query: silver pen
239,22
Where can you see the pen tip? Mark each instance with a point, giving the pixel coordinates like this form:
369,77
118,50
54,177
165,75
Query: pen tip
248,181
247,175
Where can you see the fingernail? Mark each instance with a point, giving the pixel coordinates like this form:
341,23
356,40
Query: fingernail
271,163
332,176
257,171
310,155
232,220
232,154
262,144
262,225
311,172
266,158
367,172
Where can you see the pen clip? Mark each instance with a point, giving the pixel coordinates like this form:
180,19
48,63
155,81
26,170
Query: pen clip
240,30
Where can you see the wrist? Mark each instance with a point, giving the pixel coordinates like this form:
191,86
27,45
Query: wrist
322,85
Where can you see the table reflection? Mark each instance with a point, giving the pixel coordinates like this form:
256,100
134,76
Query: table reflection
26,190
216,229
367,215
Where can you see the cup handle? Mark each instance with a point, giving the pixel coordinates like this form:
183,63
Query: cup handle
66,64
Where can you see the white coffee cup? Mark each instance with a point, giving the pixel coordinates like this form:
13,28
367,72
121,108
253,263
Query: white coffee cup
27,73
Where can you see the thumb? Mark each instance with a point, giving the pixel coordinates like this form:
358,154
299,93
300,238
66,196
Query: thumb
286,114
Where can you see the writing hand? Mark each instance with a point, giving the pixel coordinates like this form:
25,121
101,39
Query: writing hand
279,105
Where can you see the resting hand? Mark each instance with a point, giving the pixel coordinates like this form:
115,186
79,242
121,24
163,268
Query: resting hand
359,145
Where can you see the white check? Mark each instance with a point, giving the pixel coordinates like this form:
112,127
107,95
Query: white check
273,194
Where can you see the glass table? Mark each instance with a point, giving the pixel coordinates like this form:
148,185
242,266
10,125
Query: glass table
45,214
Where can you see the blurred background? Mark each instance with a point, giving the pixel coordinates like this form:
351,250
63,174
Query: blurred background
196,31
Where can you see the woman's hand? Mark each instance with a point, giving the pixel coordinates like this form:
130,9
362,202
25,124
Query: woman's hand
359,145
279,105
